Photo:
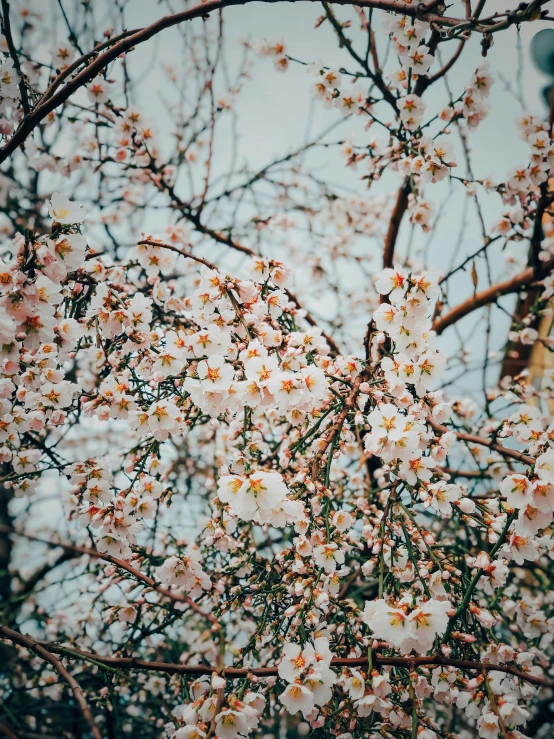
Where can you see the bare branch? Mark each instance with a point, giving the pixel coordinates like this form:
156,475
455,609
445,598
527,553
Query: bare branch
491,295
47,656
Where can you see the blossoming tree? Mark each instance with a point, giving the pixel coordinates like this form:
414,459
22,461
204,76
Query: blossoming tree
238,496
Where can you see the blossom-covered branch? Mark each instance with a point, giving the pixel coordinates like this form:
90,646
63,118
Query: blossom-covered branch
260,472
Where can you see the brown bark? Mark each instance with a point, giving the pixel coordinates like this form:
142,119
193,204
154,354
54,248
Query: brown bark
512,285
237,672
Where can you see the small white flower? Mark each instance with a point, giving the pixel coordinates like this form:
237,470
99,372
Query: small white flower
63,211
298,698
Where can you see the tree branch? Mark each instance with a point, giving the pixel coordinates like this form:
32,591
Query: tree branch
48,104
473,439
122,564
394,223
6,731
130,663
491,294
47,656
186,254
6,27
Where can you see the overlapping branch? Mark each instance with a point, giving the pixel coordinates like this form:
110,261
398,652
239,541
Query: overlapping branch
122,564
48,656
52,99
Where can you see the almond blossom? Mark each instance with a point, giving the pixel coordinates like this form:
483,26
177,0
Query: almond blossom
276,444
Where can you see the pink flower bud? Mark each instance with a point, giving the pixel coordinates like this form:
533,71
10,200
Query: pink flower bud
466,505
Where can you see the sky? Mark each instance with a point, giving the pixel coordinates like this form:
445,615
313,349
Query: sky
277,110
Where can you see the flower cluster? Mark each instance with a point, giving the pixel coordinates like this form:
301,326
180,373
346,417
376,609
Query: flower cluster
408,38
261,497
10,95
398,433
405,627
239,717
308,672
237,361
